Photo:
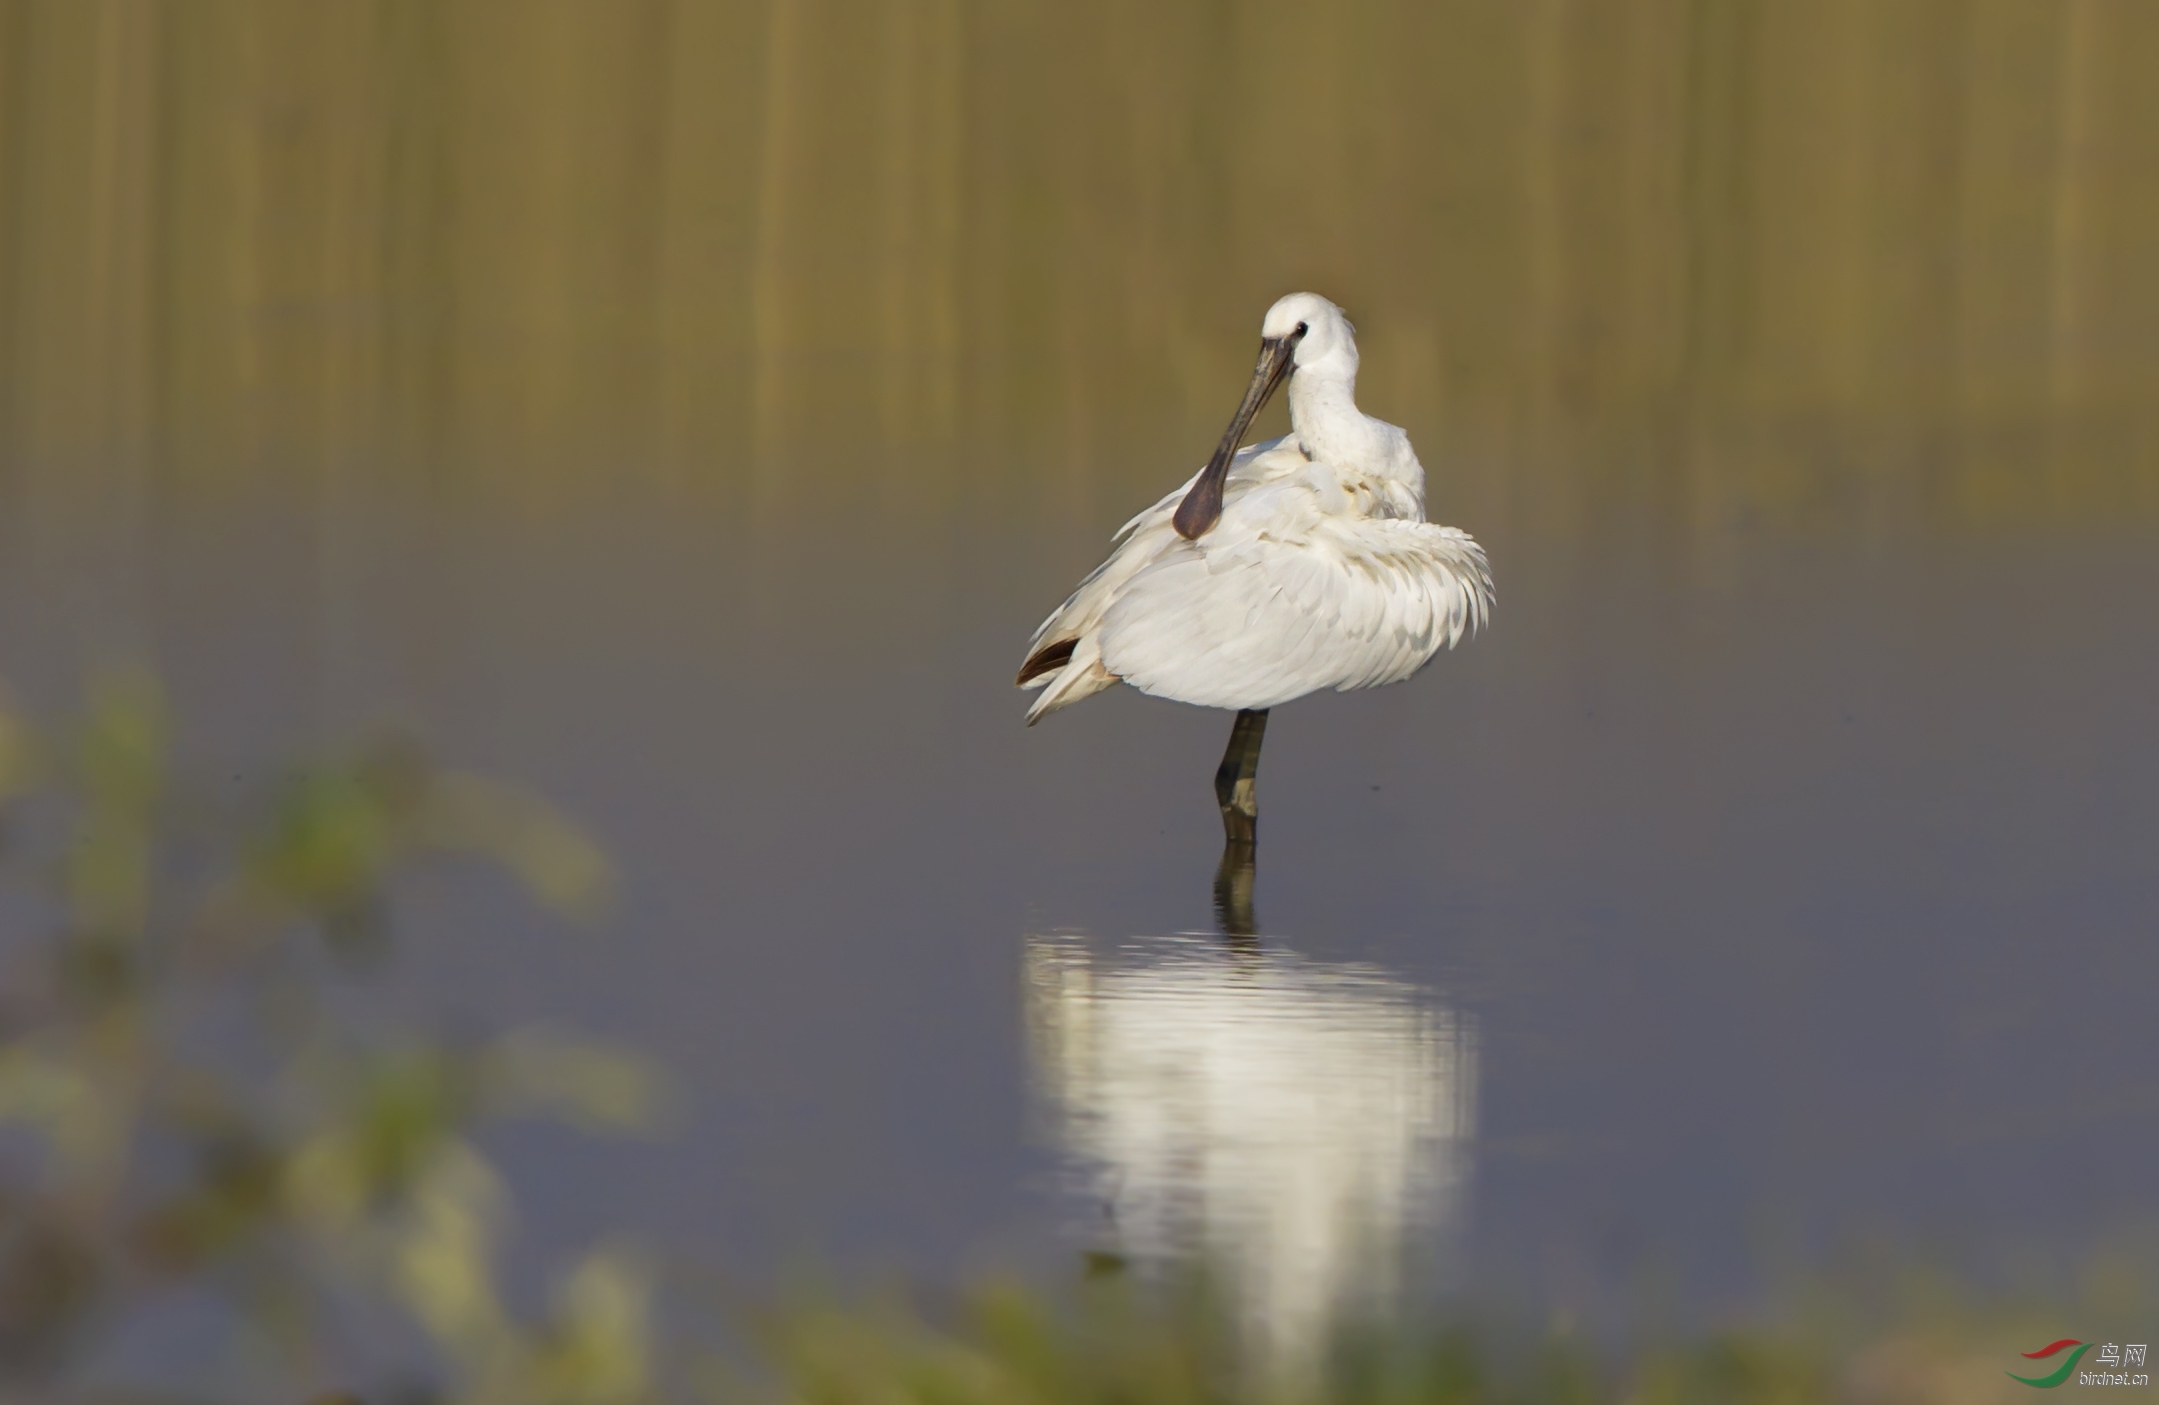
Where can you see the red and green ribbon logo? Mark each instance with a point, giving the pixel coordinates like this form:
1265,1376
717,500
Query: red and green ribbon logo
2061,1374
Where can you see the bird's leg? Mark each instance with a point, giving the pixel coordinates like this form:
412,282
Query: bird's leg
1236,780
1236,789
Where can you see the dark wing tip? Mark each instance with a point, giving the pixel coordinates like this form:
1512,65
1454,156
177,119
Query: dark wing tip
1047,659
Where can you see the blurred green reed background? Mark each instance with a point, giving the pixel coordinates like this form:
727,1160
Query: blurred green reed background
1797,251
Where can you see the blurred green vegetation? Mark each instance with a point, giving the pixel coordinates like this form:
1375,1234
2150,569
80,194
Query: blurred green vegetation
190,1106
1907,1338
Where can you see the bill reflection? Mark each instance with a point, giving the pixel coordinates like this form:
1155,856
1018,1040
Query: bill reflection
1296,1124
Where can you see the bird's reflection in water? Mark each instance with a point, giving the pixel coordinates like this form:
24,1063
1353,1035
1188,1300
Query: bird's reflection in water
1234,880
1295,1123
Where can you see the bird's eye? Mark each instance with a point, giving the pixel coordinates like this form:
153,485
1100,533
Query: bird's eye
1302,329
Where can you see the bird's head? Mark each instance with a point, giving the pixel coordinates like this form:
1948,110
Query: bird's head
1302,333
1313,331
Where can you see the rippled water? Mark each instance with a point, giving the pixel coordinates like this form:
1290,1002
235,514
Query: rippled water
690,410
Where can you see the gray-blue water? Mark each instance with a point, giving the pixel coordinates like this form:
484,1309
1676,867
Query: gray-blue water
1740,893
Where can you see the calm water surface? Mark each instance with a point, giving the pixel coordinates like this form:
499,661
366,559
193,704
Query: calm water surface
1731,896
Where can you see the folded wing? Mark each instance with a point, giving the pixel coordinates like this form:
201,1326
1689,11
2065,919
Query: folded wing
1282,599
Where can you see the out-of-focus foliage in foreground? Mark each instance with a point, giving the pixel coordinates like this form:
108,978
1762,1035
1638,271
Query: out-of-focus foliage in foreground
1888,1337
186,1113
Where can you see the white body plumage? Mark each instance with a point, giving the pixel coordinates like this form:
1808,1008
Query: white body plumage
1319,572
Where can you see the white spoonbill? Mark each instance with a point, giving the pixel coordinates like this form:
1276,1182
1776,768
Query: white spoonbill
1298,564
